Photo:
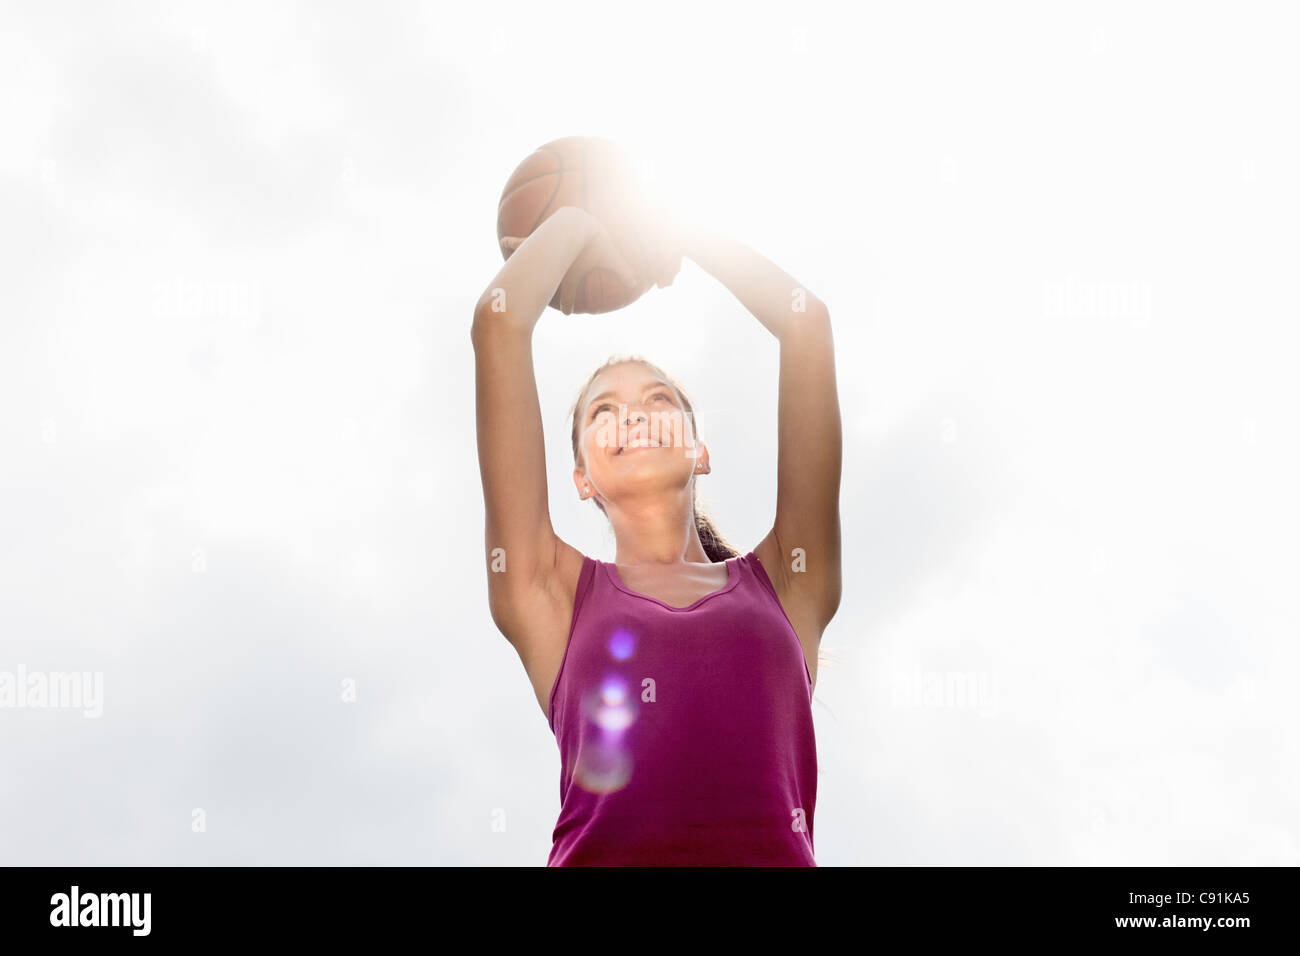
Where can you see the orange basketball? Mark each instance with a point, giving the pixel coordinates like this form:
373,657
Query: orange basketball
593,174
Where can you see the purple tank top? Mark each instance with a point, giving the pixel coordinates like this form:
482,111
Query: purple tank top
685,734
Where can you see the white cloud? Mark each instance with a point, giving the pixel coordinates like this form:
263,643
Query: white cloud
237,407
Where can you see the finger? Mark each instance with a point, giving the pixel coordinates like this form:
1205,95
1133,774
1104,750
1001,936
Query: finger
644,260
666,273
608,257
625,272
510,243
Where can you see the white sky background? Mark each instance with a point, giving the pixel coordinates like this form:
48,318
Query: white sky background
241,244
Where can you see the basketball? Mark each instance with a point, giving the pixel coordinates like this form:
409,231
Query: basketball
593,174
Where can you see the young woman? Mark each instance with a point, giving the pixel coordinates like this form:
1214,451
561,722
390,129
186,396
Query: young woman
678,678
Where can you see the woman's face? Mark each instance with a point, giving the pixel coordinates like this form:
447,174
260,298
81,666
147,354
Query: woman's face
634,435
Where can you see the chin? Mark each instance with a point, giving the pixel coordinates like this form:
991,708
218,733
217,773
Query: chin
664,464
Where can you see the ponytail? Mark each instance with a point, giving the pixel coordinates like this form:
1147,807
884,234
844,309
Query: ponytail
715,545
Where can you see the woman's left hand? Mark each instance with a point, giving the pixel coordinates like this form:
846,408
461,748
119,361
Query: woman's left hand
654,237
663,243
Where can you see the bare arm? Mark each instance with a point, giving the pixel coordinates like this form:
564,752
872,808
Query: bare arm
511,447
808,424
532,573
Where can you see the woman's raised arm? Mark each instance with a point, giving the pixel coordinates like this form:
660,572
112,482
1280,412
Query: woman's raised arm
804,543
522,548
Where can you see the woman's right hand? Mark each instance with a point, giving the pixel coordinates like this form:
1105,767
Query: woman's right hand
598,253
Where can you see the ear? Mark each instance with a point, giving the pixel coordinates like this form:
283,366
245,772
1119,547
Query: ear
582,484
701,458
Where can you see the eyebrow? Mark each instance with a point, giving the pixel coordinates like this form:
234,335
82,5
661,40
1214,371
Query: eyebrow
655,384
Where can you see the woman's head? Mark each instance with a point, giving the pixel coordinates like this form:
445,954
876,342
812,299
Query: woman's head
634,437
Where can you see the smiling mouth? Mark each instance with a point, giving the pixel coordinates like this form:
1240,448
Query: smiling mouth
635,446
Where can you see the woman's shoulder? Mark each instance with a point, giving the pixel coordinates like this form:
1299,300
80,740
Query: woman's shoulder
570,566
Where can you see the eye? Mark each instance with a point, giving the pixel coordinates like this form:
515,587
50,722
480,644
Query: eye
663,395
596,411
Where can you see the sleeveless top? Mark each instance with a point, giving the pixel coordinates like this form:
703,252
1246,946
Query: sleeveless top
685,734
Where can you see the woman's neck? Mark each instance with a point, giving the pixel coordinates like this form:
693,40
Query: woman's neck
657,534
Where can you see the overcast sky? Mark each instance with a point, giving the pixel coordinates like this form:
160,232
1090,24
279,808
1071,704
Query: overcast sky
241,244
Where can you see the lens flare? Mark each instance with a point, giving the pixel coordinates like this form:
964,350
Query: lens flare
603,767
614,691
622,645
609,708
